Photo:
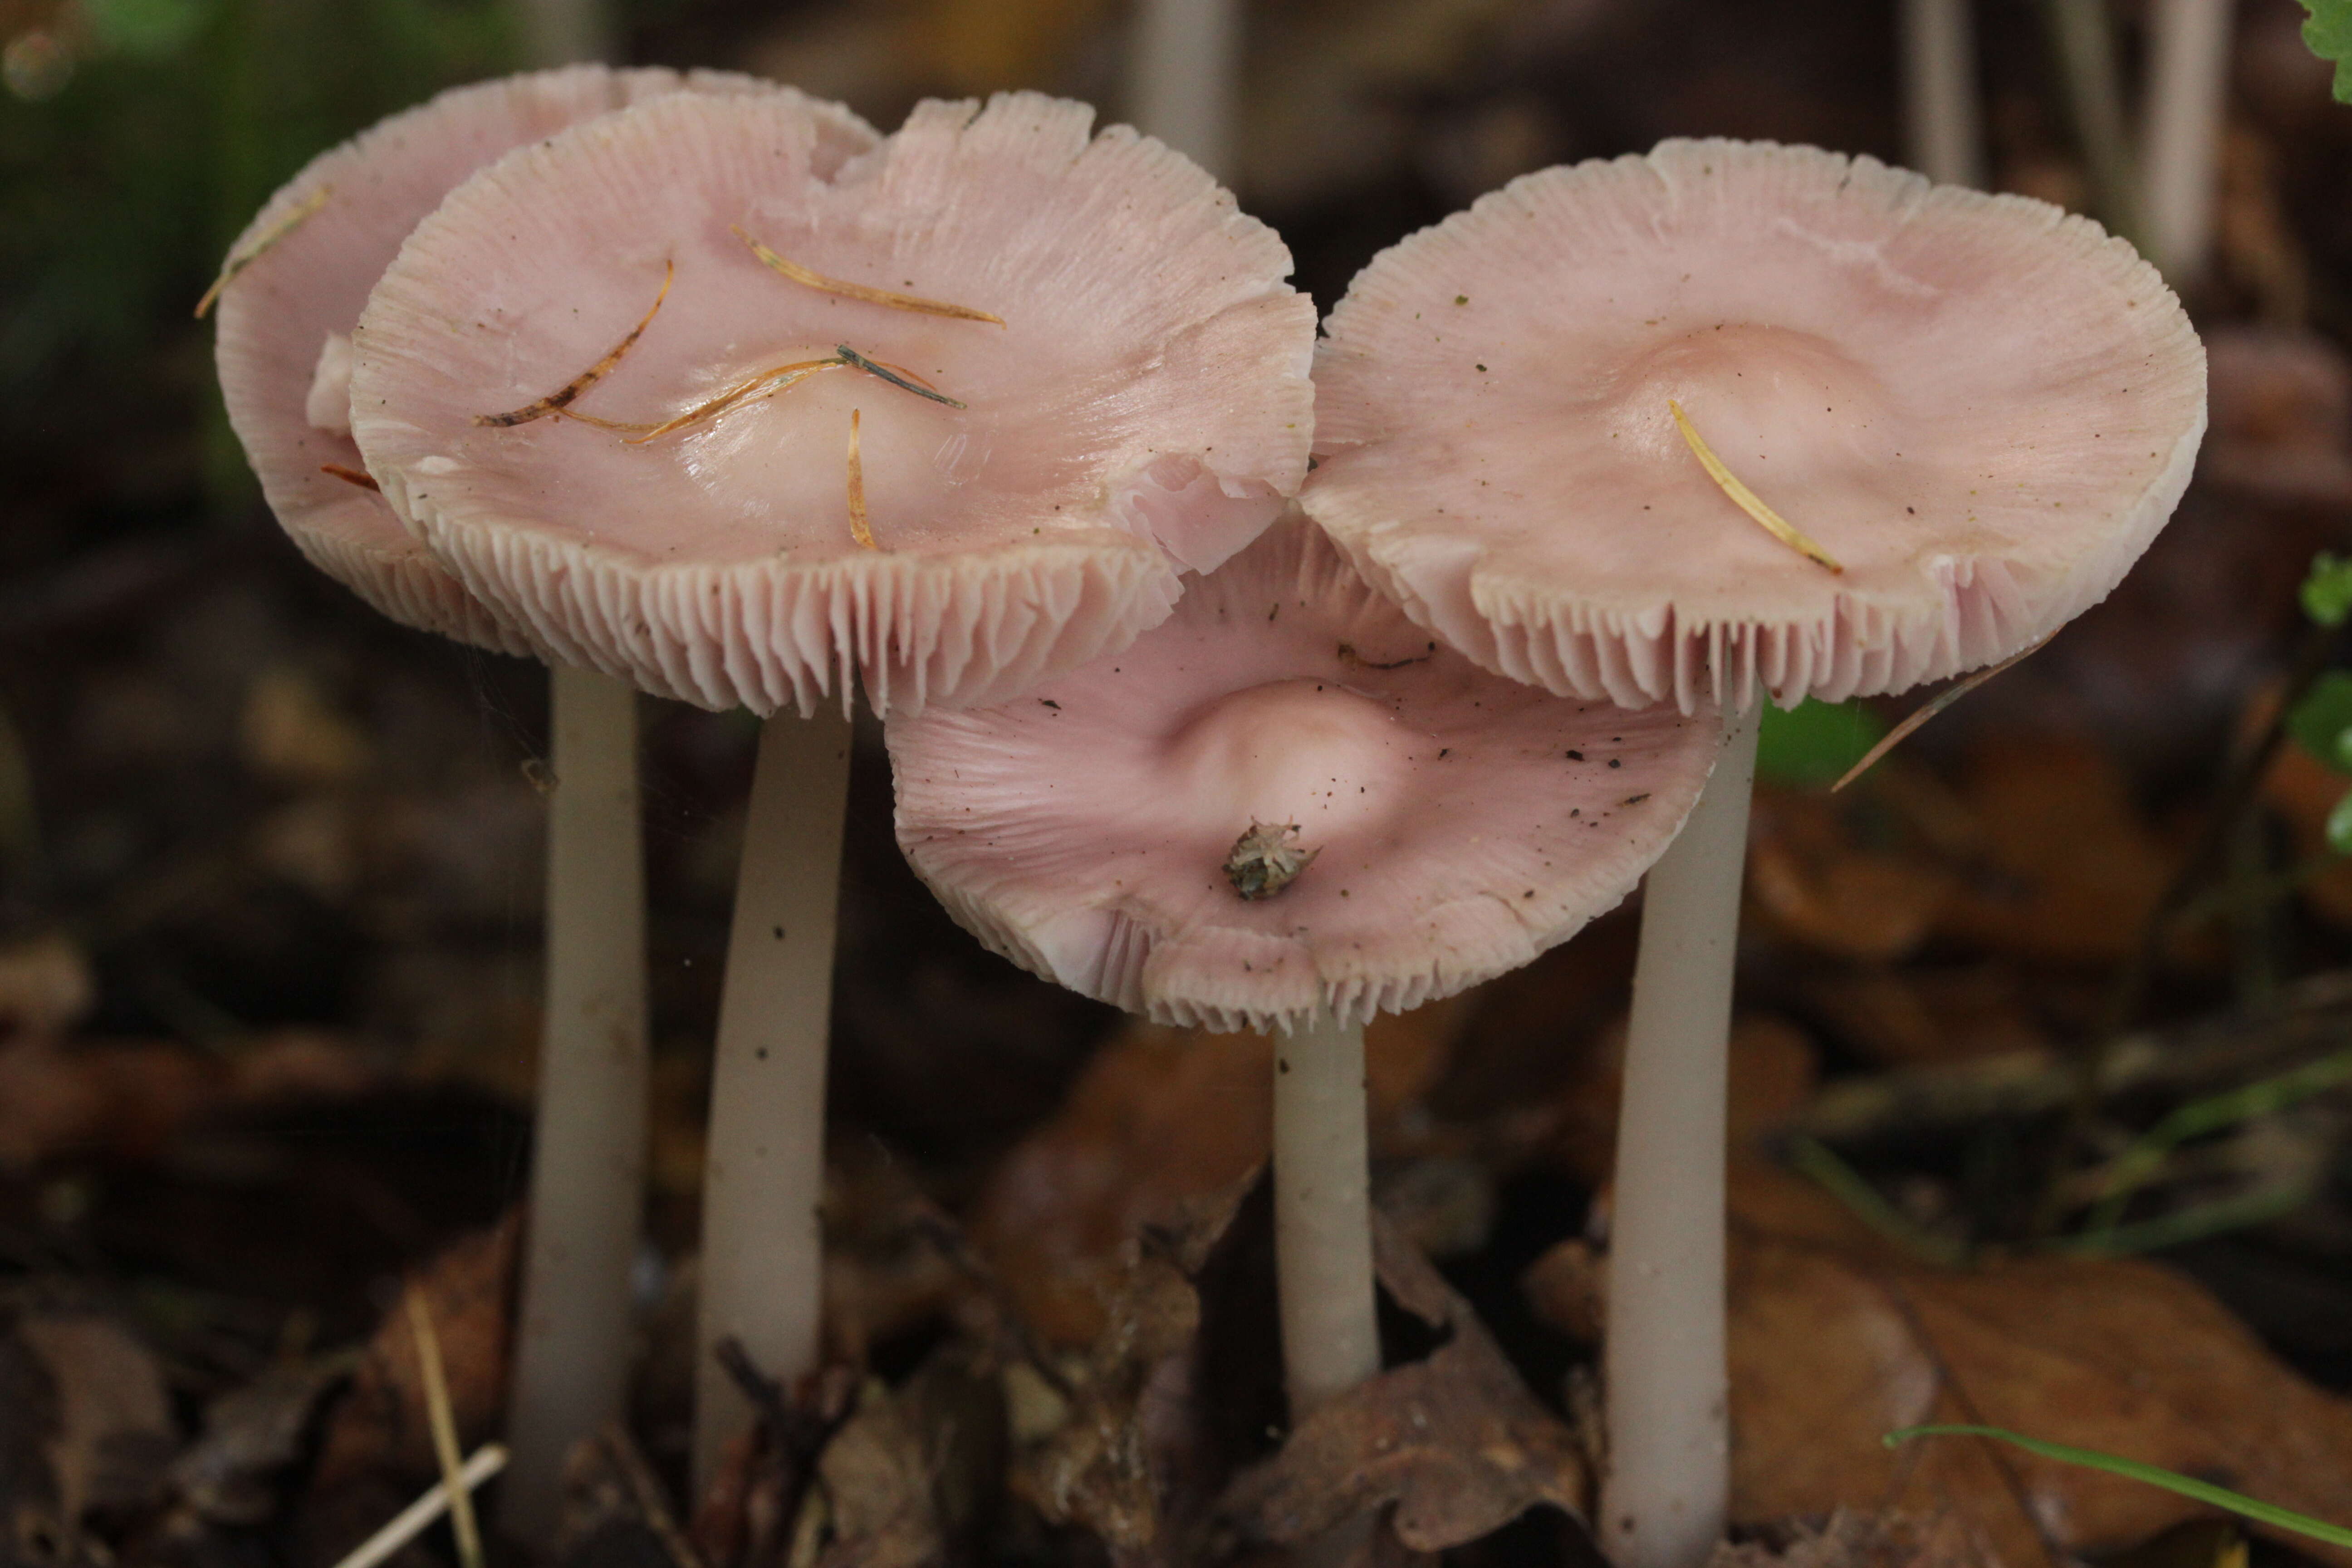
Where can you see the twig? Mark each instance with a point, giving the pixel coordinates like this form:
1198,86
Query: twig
646,1489
443,1422
1932,707
417,1516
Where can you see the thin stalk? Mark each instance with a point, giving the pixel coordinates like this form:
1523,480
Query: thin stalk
1944,136
2187,85
763,1247
1667,1384
1323,1213
2082,36
565,32
1187,58
574,1337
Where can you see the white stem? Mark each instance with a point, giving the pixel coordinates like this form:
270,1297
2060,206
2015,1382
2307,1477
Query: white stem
1323,1213
762,1249
573,1336
2186,83
562,33
1946,142
1669,1481
1187,56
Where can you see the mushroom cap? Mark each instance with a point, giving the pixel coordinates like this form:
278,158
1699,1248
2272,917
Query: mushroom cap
1460,824
1982,407
282,318
1144,408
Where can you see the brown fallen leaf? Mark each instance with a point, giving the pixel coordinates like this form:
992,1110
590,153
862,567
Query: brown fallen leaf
46,986
1834,1341
1849,1539
2074,870
113,1435
380,1423
1917,1014
1160,1117
1816,885
1451,1449
2302,790
250,1435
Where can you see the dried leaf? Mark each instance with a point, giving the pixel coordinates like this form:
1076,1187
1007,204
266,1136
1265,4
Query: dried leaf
114,1436
46,986
250,1435
381,1423
1816,886
1850,1539
1454,1446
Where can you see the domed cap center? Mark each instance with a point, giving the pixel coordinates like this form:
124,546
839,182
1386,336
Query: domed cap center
1303,752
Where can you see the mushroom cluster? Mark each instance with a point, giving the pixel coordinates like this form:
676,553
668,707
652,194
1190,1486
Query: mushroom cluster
706,386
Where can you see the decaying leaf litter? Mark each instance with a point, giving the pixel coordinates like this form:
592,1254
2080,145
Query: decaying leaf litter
312,964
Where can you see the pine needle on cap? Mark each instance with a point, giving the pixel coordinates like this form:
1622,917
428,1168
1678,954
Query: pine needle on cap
562,397
443,1422
857,525
921,388
1929,709
782,378
872,296
1743,498
350,475
238,260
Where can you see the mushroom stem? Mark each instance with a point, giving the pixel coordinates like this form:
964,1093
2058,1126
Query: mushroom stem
572,1341
762,1250
2083,35
1187,55
1323,1213
1669,1478
2186,86
558,33
1944,139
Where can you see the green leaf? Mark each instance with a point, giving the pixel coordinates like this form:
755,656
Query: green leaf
146,30
2327,590
2328,32
2321,722
1815,742
2154,1475
2339,826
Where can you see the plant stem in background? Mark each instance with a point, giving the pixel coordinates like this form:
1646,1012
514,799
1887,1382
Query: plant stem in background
1667,1382
573,1340
1943,137
1183,88
2234,800
1322,1214
2187,78
762,1244
2083,36
565,32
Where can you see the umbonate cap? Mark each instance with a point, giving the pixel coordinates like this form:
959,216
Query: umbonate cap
1974,412
708,408
1288,797
302,270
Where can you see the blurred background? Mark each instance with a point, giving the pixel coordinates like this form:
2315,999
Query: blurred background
270,866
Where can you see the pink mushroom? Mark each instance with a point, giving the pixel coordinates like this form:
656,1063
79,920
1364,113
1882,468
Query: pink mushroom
289,300
705,397
1725,417
1288,807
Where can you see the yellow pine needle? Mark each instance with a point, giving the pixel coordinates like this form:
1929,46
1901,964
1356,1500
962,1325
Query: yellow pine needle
556,401
1929,709
857,525
238,260
872,296
782,378
1743,498
439,1416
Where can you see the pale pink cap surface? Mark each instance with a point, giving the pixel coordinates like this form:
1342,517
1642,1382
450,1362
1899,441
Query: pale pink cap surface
285,320
1462,824
1144,409
1984,409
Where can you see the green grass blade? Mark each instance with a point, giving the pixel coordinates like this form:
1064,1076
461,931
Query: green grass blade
2154,1475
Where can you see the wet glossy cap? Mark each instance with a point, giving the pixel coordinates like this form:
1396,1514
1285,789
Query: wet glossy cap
285,320
1288,797
1143,407
1979,407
